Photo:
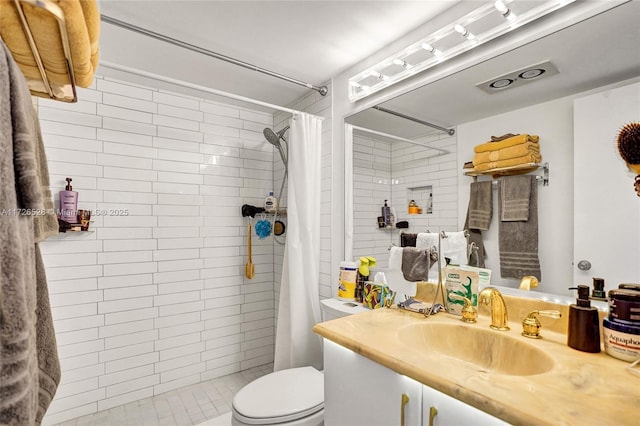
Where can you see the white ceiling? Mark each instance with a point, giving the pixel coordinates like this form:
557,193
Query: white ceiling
310,41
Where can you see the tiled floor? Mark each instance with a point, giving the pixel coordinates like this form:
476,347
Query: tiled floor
190,405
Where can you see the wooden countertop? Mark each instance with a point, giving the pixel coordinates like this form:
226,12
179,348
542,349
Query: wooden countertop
580,388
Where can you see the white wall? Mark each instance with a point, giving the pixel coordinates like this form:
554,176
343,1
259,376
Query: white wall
553,122
156,299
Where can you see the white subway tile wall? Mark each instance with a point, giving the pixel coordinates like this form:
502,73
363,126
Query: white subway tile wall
396,171
155,298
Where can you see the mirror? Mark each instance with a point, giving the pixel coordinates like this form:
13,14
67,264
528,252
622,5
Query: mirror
591,56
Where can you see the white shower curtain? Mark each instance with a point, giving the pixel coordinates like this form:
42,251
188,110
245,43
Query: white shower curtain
299,307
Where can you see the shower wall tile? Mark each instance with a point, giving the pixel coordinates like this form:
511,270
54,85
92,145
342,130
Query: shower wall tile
155,298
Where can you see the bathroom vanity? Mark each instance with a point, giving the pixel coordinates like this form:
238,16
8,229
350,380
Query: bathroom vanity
389,365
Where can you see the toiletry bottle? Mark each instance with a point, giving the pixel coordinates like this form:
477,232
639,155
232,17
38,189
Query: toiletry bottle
598,292
430,203
584,324
68,203
270,203
386,213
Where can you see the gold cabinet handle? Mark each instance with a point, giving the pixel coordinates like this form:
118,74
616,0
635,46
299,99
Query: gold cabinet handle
404,401
433,412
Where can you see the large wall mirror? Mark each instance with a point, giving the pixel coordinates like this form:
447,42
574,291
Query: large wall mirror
589,211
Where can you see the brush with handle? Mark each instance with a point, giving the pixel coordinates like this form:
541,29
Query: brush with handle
629,149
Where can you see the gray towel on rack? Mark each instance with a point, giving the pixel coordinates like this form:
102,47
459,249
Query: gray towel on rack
408,239
518,240
416,263
480,205
515,195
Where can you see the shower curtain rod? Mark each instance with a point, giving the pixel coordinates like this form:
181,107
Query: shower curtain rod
201,88
323,90
399,138
450,132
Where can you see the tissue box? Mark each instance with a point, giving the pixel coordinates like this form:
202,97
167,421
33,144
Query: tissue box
375,295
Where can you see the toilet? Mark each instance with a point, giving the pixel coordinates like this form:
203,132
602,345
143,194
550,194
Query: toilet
292,397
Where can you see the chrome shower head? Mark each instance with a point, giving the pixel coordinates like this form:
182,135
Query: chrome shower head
274,138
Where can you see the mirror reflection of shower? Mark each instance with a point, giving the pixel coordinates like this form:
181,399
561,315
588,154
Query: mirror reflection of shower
280,142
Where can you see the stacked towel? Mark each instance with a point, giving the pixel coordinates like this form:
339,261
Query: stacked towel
408,240
83,28
518,236
512,151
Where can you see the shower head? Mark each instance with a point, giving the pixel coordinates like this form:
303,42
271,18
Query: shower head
274,138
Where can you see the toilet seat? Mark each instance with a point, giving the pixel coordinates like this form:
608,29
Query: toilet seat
280,397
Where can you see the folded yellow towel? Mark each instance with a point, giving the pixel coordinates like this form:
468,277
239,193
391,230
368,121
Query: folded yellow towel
506,153
83,28
506,143
529,158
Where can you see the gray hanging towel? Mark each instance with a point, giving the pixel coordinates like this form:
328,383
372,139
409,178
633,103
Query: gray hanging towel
518,240
480,205
416,263
515,194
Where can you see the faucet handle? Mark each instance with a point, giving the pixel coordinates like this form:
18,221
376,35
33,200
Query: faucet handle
531,325
469,312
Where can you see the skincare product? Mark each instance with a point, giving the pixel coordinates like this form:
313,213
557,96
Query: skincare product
430,203
386,213
584,323
68,203
621,341
270,203
624,306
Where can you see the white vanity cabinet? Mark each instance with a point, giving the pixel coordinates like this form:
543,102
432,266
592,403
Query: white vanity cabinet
439,409
358,391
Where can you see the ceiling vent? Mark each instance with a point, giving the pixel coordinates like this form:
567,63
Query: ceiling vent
519,77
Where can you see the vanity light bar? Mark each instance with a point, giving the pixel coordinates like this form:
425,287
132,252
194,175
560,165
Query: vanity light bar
467,32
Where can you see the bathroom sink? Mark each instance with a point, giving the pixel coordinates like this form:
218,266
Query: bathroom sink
481,349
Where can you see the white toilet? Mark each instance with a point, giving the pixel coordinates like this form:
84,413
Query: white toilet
288,397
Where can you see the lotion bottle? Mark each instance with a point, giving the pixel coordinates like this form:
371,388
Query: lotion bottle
270,203
69,203
584,324
386,213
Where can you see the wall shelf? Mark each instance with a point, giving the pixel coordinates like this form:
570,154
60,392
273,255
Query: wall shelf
512,170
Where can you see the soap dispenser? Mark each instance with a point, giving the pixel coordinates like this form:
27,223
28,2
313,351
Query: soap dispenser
584,324
68,203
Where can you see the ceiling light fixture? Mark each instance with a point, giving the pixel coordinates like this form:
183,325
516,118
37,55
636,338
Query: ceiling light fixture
485,23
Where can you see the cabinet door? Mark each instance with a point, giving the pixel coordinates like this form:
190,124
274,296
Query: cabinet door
358,391
451,411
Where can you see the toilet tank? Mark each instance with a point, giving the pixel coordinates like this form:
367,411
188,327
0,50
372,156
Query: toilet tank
335,308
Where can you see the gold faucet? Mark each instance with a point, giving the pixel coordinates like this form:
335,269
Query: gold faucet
492,297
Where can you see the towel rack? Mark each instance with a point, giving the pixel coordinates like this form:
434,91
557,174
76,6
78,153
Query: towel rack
505,171
43,88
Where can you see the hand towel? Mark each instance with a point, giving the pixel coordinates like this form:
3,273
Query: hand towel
514,140
427,240
19,189
395,277
83,28
480,208
506,153
416,264
408,240
515,195
44,225
532,157
518,240
46,346
454,247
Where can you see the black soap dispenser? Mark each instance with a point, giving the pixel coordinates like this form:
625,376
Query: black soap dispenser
584,323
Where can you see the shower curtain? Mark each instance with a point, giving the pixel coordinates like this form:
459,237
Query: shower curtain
299,306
